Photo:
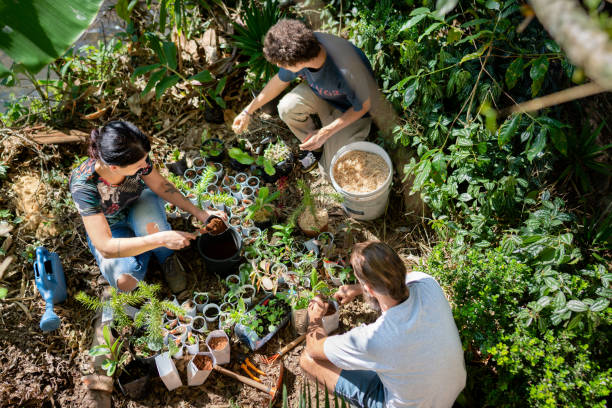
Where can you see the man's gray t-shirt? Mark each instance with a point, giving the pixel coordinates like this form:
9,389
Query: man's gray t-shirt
344,78
414,348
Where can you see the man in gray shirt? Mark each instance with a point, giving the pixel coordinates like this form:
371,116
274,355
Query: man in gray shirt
411,356
332,105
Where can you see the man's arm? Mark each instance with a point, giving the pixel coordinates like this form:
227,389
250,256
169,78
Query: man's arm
315,337
272,89
317,139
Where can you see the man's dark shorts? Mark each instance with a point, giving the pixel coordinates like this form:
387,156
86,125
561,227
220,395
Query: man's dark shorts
361,388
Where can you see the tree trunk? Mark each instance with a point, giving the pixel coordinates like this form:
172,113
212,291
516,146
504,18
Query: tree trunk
586,45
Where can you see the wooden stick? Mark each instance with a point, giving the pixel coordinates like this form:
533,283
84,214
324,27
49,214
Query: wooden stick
291,345
246,380
566,95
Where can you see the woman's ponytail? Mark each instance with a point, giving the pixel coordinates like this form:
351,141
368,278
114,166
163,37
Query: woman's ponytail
93,147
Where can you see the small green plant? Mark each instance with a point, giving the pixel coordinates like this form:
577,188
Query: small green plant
249,39
116,361
262,209
212,148
219,198
275,153
241,156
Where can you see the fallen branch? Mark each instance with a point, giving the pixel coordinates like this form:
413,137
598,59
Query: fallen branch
566,95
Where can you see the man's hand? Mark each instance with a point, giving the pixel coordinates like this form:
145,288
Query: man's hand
317,308
316,139
241,122
346,293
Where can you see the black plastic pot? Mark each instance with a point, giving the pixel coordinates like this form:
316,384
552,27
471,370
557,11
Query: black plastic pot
177,168
263,225
134,379
221,253
283,168
236,165
220,156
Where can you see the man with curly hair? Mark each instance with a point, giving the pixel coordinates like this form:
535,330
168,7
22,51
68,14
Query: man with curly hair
330,108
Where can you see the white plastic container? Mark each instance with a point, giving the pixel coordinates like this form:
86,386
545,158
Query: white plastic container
195,375
364,206
221,356
167,371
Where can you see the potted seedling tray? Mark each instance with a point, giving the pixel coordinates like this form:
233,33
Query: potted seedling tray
248,334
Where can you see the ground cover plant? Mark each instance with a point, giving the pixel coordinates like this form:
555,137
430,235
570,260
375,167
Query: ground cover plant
518,217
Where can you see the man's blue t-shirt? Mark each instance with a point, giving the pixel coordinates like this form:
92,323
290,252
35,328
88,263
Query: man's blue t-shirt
330,82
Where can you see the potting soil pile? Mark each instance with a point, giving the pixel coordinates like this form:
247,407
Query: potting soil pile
215,226
360,172
307,221
203,362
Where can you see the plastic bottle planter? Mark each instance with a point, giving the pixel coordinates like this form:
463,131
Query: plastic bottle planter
190,307
236,191
251,338
219,345
228,181
212,189
244,271
332,319
225,322
305,281
278,270
247,192
191,175
253,258
211,312
254,233
181,348
241,178
218,170
200,299
185,321
199,368
235,222
192,344
199,162
179,332
291,279
230,298
167,371
238,211
299,320
247,202
247,293
232,280
198,324
253,182
326,243
333,269
247,223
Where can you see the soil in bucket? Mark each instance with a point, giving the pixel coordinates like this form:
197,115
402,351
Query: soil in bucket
360,172
217,343
203,362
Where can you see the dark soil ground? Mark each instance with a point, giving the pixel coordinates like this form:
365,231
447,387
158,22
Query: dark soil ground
45,370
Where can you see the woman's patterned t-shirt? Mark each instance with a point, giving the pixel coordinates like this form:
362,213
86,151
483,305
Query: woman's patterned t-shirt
93,195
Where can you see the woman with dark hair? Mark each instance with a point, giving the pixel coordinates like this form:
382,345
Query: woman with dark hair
120,196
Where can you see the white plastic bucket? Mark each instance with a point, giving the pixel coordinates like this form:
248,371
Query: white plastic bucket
364,206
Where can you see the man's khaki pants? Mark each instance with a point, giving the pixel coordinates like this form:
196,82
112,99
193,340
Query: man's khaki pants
294,109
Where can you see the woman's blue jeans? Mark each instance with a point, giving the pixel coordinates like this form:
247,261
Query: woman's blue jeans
145,213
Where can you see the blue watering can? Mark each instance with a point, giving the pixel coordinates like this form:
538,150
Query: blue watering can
50,281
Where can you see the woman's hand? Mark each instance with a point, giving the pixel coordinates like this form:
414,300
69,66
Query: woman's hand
204,215
174,239
241,122
346,293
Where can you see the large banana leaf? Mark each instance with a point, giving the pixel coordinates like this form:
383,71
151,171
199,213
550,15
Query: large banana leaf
36,32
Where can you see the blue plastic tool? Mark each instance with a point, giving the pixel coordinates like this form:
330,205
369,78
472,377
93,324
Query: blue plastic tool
50,281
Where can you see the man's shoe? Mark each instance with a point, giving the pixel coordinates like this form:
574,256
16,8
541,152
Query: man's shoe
174,274
308,159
